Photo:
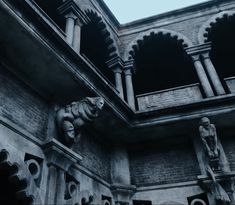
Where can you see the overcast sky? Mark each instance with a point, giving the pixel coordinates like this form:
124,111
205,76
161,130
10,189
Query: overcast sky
129,10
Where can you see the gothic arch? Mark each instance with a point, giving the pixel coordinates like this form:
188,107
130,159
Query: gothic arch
20,176
140,38
207,26
105,30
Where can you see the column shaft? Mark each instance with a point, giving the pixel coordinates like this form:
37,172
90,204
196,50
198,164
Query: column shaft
77,36
51,185
213,75
202,76
69,30
118,81
120,173
129,88
60,191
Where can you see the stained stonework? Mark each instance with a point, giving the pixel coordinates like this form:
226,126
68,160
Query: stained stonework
93,112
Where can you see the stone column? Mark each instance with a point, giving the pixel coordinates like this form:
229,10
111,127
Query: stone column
59,159
202,76
75,18
77,35
121,187
118,81
120,166
129,84
116,64
69,29
213,74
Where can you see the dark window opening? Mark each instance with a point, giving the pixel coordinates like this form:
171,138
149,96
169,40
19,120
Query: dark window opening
8,189
223,47
94,47
161,63
51,9
139,202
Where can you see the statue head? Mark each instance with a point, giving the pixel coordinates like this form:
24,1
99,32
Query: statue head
100,103
97,102
205,121
68,130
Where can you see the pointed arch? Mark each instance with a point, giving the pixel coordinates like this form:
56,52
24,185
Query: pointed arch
208,25
183,40
19,176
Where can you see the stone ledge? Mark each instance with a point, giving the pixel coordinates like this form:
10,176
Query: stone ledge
56,153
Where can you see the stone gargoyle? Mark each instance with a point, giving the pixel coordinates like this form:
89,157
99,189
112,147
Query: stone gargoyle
72,117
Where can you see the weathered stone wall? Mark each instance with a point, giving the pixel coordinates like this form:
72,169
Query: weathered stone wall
22,105
154,164
96,156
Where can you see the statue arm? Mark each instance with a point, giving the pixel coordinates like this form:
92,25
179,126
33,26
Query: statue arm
215,137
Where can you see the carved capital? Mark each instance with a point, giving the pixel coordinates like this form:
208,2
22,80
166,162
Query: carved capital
122,193
117,70
71,10
195,57
115,62
206,55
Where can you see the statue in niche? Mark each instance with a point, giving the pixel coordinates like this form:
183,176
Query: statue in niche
208,135
72,117
216,189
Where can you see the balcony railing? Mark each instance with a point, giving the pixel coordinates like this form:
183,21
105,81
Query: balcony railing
230,82
169,98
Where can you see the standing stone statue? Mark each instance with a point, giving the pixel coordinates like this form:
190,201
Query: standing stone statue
72,117
209,138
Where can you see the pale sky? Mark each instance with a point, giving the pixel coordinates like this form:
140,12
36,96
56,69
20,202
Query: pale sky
130,10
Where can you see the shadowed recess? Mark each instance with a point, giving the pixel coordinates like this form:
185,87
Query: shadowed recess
161,63
222,35
96,44
51,9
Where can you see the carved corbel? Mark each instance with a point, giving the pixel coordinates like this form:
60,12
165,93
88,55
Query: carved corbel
71,118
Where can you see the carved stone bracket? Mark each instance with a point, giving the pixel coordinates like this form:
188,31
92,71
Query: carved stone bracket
72,117
59,155
223,180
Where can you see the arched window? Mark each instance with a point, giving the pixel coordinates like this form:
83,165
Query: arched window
221,35
161,63
95,44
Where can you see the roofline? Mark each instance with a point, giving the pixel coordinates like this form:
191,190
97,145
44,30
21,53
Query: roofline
159,16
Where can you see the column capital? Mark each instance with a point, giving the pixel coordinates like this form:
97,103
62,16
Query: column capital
128,67
195,57
205,55
115,62
71,10
198,49
117,70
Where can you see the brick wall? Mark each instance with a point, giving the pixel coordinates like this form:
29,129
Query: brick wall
96,156
152,164
228,144
22,106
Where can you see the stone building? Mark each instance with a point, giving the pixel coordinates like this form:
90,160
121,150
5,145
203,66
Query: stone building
94,112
